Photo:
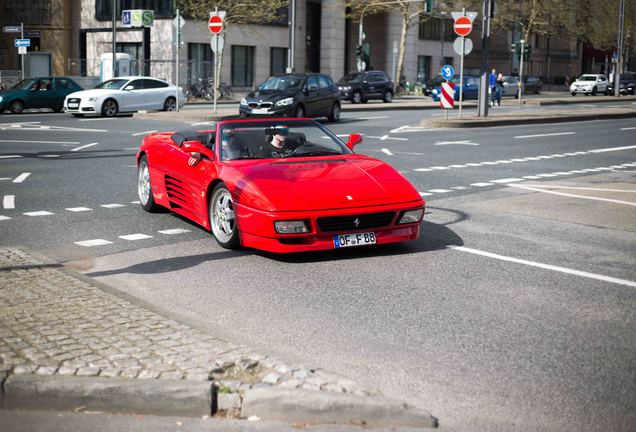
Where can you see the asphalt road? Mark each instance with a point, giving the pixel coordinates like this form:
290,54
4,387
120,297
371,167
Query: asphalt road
528,325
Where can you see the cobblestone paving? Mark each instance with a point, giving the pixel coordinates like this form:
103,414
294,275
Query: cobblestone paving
52,323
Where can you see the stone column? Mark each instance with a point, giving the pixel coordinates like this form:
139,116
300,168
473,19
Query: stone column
332,42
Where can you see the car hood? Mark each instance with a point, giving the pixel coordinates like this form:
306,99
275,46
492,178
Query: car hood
270,95
327,183
92,93
584,82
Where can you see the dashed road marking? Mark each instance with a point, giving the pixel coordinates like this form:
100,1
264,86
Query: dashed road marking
111,206
629,128
8,202
506,180
38,213
133,237
10,156
4,218
372,118
21,177
465,142
94,242
41,142
387,151
79,209
144,133
425,194
83,147
613,149
481,184
440,191
629,203
544,135
174,231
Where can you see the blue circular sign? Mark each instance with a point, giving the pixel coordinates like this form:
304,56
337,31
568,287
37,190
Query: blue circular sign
447,72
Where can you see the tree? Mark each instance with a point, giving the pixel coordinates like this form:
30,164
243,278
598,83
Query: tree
597,23
409,10
238,12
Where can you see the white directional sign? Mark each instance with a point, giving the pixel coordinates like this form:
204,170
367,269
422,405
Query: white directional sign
217,43
11,29
22,50
178,22
22,42
468,45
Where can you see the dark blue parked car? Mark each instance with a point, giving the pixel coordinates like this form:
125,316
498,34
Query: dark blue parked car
470,90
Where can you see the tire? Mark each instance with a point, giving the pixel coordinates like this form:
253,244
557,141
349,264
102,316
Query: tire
300,111
77,115
222,218
109,108
144,187
573,93
594,91
57,109
356,97
334,116
16,107
170,104
388,96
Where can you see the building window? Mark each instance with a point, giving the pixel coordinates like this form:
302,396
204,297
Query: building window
448,61
200,62
278,63
436,29
242,66
104,8
423,68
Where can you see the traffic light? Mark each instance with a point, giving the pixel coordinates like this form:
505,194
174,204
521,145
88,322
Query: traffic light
358,51
429,5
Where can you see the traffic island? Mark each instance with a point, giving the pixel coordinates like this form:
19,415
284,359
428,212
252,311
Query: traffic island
71,343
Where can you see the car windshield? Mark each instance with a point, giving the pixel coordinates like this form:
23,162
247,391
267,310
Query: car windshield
510,79
113,84
283,82
277,139
24,84
351,77
588,78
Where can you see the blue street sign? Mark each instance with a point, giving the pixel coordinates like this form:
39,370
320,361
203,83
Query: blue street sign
22,42
126,18
447,72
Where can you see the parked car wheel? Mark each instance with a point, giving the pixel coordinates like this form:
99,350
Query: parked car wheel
16,107
223,219
594,91
334,116
388,96
573,93
300,111
170,104
109,109
356,97
144,187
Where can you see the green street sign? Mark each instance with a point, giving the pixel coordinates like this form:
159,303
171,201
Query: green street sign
137,18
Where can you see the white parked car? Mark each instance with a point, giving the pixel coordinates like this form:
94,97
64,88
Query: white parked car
589,84
124,94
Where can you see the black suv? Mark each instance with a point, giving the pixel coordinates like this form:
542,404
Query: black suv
362,86
294,95
628,84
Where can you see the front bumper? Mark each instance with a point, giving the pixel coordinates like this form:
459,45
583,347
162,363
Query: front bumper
285,111
257,228
81,106
581,89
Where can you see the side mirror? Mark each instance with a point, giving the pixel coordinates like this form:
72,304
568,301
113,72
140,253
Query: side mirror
354,139
196,147
129,87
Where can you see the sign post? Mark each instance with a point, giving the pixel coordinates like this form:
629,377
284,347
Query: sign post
520,83
216,24
178,24
463,26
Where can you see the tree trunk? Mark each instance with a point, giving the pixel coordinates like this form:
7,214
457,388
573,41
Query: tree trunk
400,66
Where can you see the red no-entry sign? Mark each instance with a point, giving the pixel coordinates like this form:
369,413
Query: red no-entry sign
463,26
215,24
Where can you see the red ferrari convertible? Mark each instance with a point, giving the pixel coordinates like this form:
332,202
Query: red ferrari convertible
280,185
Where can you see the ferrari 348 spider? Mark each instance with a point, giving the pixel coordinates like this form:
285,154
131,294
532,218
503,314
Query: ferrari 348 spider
280,185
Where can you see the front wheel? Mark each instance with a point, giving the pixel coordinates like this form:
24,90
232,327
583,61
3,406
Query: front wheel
573,93
223,219
170,104
594,91
109,109
16,107
388,96
334,116
144,187
356,97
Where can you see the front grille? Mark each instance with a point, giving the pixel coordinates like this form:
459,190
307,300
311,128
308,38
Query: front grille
74,100
253,105
348,223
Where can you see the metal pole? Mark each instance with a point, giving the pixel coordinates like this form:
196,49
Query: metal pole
22,55
461,74
216,50
292,36
619,63
114,38
520,84
178,29
360,39
485,54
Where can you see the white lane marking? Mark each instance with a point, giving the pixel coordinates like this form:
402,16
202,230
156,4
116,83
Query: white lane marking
8,202
408,128
546,266
372,118
423,169
575,196
133,237
578,188
5,178
78,209
629,128
613,149
38,213
504,161
174,231
531,177
95,119
481,184
387,151
465,142
95,242
547,175
41,142
10,156
425,194
21,177
459,188
439,190
545,135
201,123
457,166
561,173
386,137
506,180
4,218
49,156
84,146
473,164
144,133
135,202
439,168
114,205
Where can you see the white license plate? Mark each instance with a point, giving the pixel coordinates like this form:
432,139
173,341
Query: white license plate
358,239
73,105
260,111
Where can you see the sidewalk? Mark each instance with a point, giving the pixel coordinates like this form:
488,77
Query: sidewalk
70,343
227,111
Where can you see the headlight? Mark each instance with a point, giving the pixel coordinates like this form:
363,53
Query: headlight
285,102
0,98
345,88
243,102
291,227
411,216
92,99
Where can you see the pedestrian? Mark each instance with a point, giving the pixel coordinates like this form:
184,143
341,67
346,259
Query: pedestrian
492,83
499,87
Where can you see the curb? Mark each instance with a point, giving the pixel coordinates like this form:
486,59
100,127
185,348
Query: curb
476,122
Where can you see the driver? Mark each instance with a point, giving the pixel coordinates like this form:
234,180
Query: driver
278,143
